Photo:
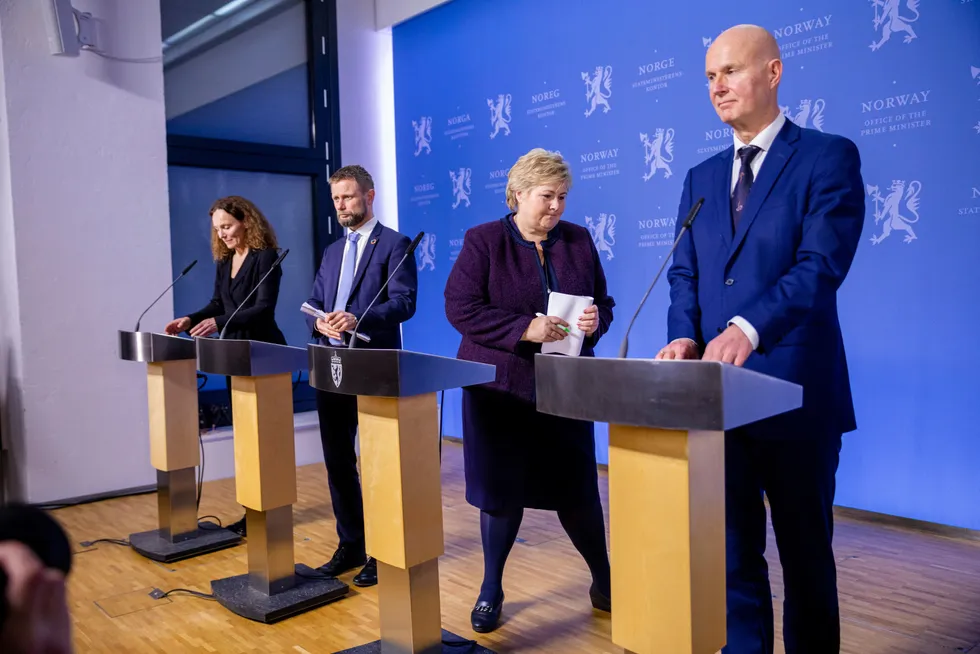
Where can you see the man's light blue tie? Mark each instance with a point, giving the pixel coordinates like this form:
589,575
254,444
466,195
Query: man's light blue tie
346,277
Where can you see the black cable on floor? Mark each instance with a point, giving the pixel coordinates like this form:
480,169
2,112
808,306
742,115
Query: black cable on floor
156,593
114,541
205,525
54,506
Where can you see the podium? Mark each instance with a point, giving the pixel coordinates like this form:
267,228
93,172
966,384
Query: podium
261,374
666,484
400,481
171,381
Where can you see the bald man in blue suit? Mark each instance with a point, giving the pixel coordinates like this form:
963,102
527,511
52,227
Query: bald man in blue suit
754,283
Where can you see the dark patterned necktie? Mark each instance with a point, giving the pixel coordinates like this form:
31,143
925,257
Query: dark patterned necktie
740,195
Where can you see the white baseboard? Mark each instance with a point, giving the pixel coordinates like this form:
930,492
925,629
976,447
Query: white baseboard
219,447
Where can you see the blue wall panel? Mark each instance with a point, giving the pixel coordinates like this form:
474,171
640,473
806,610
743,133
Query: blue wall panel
912,104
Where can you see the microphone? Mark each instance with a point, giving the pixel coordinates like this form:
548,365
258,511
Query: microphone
408,253
235,312
186,270
624,347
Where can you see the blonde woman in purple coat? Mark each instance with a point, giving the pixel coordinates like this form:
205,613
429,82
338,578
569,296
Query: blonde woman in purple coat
516,457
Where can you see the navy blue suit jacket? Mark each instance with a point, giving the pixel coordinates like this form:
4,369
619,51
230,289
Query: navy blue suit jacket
385,248
780,270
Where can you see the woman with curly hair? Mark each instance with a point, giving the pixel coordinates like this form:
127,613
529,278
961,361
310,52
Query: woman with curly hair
244,247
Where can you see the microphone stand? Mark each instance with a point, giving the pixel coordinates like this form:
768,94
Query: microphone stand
408,253
624,346
185,271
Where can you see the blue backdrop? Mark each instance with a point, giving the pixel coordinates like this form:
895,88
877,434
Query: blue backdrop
618,87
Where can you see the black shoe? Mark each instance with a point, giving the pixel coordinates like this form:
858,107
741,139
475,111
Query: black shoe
485,616
239,527
345,558
368,576
599,601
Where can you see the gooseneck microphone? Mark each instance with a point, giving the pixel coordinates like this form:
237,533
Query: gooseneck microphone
235,312
185,271
408,253
624,346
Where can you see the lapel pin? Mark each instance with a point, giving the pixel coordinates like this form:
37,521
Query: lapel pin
373,241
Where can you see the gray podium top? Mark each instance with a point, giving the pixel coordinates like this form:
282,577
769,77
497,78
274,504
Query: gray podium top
149,347
391,373
684,395
241,358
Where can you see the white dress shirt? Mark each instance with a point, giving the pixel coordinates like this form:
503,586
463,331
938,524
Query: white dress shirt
365,232
763,141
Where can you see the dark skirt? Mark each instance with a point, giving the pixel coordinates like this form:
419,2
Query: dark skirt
516,457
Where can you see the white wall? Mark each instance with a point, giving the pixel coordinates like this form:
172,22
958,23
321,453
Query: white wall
84,233
367,101
392,12
84,246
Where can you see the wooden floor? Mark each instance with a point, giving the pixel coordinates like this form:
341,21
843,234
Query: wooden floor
902,592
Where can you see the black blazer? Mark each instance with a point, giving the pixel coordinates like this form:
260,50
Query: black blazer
257,319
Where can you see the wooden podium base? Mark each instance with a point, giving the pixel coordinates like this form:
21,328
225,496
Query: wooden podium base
403,524
451,644
275,587
174,442
309,590
179,535
668,569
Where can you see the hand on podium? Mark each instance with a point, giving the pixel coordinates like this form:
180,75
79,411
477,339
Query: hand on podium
681,348
177,326
205,328
731,346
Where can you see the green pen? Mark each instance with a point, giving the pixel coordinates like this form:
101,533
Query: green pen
566,329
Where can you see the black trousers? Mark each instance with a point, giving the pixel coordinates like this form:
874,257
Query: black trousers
798,477
338,428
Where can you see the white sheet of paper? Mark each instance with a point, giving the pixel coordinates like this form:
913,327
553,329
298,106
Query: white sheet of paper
311,310
568,308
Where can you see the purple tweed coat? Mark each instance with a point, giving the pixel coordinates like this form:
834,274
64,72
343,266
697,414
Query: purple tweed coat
497,285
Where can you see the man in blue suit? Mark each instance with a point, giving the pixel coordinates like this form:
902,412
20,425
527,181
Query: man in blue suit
351,274
754,283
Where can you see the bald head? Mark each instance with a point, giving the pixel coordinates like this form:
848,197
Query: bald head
756,42
744,71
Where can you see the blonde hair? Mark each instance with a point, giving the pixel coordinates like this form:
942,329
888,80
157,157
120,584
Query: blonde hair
536,168
259,234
